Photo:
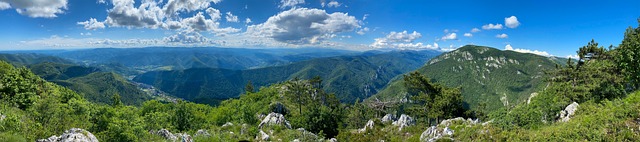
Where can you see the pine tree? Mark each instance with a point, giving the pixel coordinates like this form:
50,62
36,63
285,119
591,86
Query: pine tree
249,88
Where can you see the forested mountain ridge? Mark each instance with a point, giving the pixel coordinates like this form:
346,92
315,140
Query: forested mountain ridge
486,75
350,77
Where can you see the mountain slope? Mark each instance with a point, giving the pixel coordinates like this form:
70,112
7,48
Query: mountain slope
91,82
350,77
485,75
23,59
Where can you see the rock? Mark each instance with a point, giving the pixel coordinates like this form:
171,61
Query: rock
433,133
388,118
333,140
202,133
72,135
227,124
458,120
262,136
2,117
569,111
296,140
274,119
404,121
165,134
306,134
369,126
531,96
184,137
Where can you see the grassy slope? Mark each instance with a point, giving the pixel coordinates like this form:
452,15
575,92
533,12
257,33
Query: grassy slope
484,74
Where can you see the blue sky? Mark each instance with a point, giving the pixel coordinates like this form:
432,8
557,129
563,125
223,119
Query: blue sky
556,28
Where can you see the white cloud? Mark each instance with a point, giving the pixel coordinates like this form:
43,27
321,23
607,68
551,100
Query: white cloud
475,30
4,5
541,53
363,31
85,34
231,18
468,35
247,21
450,36
124,14
365,17
572,56
333,4
36,8
402,40
92,24
199,23
303,26
502,36
173,6
511,22
214,14
492,27
290,3
186,38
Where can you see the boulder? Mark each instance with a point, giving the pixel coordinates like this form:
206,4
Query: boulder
227,124
369,125
568,112
274,119
434,133
202,133
184,137
262,136
333,140
389,118
165,134
404,121
72,135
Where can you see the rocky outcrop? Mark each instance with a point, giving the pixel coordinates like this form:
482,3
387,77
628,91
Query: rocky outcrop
434,133
306,134
458,120
389,118
274,119
202,133
227,124
165,134
262,136
72,135
333,140
368,126
568,112
404,121
534,94
184,137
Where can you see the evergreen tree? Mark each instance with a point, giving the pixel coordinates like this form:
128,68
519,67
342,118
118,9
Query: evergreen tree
628,55
249,88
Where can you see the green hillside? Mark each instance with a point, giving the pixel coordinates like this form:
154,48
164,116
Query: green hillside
485,75
23,59
350,77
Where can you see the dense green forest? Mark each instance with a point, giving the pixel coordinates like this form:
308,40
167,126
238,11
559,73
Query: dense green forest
593,98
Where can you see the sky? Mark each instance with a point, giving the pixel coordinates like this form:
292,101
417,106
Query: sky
544,27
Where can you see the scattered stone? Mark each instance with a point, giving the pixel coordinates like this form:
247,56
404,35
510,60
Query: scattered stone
369,125
227,124
72,135
570,110
333,140
202,133
404,121
274,119
389,118
165,134
433,133
262,136
184,137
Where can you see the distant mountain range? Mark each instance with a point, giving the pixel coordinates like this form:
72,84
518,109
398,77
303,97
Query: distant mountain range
485,75
350,77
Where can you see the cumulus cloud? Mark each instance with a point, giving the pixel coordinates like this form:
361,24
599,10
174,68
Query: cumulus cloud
502,36
124,14
199,23
4,5
363,31
231,18
572,56
247,21
186,38
492,27
214,14
450,36
511,22
402,40
92,24
302,26
541,53
173,6
475,30
468,35
36,8
86,34
333,4
290,3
